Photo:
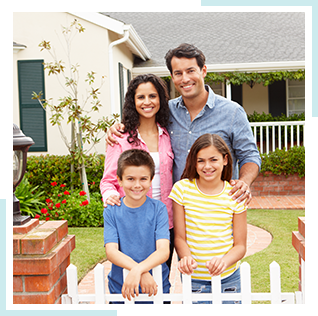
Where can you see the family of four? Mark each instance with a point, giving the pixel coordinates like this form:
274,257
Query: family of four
171,181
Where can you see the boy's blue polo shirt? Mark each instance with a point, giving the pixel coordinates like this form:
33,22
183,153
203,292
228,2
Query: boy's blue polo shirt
136,231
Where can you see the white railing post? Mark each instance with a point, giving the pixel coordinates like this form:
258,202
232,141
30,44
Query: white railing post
186,289
99,277
157,275
216,289
72,290
246,283
275,286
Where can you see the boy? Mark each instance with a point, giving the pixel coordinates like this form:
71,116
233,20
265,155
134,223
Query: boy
136,233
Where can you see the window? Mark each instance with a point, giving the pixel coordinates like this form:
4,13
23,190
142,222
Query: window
295,91
32,115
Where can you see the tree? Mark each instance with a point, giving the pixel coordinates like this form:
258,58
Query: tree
83,129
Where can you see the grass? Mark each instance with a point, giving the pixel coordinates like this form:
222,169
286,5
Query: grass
280,223
89,249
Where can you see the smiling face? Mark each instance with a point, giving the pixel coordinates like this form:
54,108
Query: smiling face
187,77
136,182
147,100
210,164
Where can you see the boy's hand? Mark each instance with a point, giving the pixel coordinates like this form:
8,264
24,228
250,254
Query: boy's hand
131,284
114,129
186,265
216,266
148,284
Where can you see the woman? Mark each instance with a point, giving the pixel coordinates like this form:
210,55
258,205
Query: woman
145,117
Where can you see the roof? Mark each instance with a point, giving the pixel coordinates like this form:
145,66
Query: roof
224,37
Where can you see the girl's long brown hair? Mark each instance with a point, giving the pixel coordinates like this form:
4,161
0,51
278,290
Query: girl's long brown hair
204,141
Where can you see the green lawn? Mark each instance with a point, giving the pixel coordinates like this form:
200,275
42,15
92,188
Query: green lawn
280,223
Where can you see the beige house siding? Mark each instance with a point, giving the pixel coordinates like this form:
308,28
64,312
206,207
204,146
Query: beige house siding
255,99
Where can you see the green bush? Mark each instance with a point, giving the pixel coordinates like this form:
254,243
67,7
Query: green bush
73,207
43,170
286,162
29,198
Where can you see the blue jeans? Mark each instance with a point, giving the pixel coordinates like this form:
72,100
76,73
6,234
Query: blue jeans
231,284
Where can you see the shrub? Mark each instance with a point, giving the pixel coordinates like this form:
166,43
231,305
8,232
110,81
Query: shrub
286,162
45,169
73,207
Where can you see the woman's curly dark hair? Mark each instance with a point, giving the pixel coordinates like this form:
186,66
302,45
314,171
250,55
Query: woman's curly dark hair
130,115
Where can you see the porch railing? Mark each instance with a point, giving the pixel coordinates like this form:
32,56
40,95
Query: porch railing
271,135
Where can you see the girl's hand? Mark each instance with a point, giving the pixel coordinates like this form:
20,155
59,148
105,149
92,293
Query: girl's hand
186,265
131,284
112,200
148,284
216,266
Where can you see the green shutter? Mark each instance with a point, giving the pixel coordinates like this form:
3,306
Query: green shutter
121,86
32,115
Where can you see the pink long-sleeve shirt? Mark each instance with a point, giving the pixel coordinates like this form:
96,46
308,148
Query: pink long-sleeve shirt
109,184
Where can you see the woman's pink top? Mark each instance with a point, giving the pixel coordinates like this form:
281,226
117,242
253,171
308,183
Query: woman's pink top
109,184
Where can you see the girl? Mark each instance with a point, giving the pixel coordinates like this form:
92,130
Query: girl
210,228
145,116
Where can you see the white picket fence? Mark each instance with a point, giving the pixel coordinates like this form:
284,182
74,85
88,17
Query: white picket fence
186,297
270,142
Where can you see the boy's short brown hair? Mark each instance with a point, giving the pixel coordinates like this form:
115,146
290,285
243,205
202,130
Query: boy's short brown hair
135,157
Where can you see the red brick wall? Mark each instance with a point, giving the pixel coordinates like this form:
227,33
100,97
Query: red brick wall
271,184
41,254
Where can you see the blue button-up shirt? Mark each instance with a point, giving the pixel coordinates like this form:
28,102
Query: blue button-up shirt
219,116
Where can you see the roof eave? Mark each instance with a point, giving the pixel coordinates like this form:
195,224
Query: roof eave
163,71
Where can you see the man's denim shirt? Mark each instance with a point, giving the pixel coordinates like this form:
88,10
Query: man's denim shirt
219,116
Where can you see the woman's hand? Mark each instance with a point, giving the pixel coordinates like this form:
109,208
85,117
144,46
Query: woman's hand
112,200
186,265
115,129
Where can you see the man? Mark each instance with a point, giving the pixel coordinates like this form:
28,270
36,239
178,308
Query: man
198,111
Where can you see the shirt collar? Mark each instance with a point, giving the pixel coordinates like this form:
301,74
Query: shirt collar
209,103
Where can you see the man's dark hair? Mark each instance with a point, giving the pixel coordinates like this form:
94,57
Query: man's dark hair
135,157
187,51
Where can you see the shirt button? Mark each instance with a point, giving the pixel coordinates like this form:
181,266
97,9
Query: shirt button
188,150
190,132
171,132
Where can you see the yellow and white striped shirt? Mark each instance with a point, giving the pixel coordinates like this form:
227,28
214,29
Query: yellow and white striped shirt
208,219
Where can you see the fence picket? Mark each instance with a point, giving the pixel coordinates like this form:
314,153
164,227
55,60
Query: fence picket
99,277
72,283
275,283
246,296
246,283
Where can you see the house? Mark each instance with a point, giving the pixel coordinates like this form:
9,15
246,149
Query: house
259,42
99,48
232,42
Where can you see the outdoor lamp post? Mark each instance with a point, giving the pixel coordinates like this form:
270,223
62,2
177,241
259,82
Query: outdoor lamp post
21,145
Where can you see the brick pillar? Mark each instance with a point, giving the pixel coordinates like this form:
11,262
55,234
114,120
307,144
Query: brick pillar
41,254
298,241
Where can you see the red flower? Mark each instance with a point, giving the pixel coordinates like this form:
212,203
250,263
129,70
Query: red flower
64,201
82,193
37,216
58,205
48,200
66,193
84,203
54,184
47,219
59,195
43,210
62,185
50,208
